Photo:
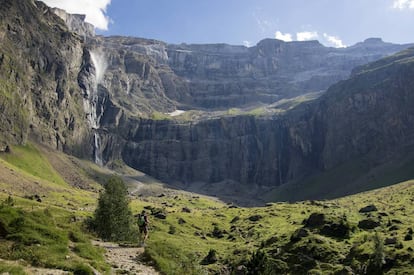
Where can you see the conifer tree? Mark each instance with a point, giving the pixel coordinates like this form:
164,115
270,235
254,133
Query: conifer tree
113,218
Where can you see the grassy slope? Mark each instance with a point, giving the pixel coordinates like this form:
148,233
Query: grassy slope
179,243
191,241
48,233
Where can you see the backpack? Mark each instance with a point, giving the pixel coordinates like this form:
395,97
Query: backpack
141,220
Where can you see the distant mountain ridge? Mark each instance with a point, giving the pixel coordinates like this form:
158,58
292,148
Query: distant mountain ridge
106,98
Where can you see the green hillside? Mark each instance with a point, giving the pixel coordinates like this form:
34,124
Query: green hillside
45,205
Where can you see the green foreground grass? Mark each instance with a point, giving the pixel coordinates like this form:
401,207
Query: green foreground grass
279,238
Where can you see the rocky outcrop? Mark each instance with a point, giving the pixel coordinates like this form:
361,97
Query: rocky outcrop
223,76
104,98
76,23
369,117
39,63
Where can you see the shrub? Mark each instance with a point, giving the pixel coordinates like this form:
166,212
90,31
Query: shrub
377,258
262,264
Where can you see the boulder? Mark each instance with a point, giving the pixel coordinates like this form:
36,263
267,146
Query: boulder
315,220
217,233
368,208
336,230
160,215
211,258
408,237
368,224
299,234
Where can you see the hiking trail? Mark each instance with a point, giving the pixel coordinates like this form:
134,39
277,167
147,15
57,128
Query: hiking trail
125,259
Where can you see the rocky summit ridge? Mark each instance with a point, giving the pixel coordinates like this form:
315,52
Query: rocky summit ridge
276,114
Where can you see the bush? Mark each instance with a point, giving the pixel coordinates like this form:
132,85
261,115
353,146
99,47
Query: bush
113,218
82,269
262,264
377,258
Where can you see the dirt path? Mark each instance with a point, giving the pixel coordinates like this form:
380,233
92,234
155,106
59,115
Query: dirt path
126,260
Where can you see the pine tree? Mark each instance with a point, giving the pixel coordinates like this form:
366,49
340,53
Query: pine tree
113,218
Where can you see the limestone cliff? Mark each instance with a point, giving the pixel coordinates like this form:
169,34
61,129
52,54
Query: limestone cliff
39,61
223,76
368,117
105,98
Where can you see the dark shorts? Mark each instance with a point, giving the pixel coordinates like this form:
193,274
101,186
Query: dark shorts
143,229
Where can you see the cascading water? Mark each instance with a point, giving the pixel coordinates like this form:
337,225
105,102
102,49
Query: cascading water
90,103
97,149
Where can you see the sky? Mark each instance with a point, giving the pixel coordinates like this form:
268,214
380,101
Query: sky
335,23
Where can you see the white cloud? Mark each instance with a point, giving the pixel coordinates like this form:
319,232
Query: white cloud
247,43
93,9
283,36
403,4
304,36
334,41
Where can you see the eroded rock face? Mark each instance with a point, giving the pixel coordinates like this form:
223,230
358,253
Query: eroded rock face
355,119
94,96
223,76
76,23
39,95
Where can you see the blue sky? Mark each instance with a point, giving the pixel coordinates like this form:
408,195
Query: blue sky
332,22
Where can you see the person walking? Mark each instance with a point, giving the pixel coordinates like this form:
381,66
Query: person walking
143,223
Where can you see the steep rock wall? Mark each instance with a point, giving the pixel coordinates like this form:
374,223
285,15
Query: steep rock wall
223,76
39,95
370,117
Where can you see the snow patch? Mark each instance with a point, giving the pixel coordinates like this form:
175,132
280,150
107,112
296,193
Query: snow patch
176,113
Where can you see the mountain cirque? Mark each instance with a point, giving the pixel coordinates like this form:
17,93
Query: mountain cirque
254,118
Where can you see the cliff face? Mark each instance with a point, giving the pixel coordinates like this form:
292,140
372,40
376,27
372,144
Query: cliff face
99,97
368,117
222,76
371,114
39,61
145,76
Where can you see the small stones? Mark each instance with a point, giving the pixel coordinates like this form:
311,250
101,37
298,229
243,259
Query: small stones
393,228
186,210
235,219
35,197
390,241
255,218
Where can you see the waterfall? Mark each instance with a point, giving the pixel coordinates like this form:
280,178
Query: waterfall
90,103
97,149
100,64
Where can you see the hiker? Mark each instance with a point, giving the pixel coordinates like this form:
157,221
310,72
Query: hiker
143,227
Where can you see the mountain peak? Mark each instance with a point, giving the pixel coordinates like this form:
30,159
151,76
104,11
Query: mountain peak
373,40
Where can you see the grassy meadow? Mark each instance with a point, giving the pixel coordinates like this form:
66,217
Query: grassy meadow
46,197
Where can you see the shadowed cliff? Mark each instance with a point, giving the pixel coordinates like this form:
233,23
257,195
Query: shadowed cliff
252,118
